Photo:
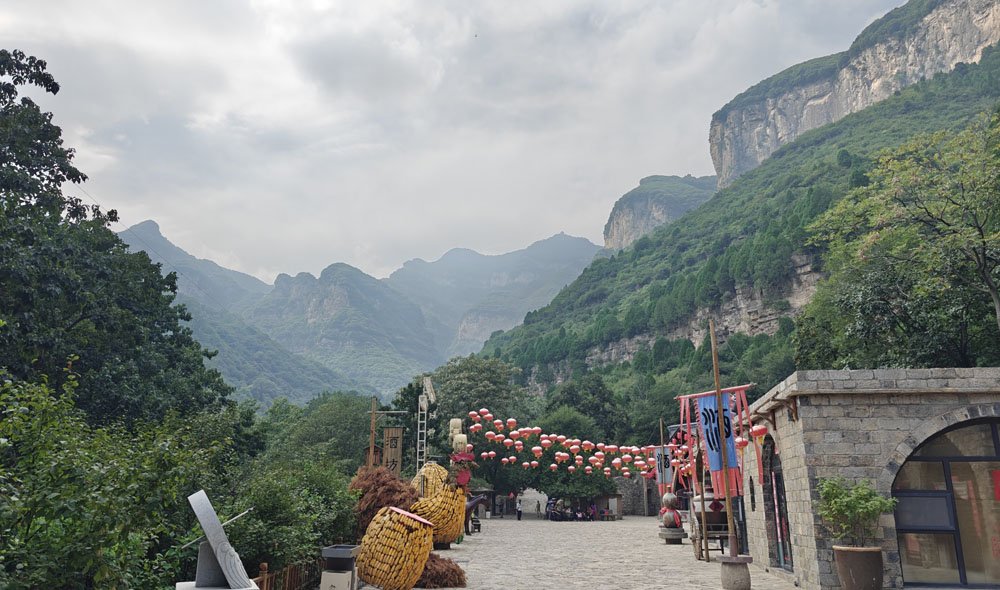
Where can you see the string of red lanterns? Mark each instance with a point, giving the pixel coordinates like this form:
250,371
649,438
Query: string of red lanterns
641,458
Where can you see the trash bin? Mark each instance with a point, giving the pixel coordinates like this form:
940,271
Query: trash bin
339,569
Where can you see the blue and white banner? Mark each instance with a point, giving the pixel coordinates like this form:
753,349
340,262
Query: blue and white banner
708,416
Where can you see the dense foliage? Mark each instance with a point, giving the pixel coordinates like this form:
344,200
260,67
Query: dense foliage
69,289
914,259
109,417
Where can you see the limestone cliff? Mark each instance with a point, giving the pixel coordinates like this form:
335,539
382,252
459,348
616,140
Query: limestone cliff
910,43
657,200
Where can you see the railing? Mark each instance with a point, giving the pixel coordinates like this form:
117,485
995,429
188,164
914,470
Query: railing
293,577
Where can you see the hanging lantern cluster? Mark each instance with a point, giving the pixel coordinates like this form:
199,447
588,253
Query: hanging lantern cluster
579,456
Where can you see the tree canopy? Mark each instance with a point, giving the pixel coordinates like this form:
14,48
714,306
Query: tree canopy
914,258
71,294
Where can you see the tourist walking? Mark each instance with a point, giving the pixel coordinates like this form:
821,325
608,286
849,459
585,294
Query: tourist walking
519,509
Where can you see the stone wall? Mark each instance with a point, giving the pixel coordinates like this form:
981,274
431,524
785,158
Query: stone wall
859,424
631,491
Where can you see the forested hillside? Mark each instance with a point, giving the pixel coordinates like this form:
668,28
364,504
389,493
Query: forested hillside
743,238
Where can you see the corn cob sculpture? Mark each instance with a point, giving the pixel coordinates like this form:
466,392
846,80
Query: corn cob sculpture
394,549
430,480
446,510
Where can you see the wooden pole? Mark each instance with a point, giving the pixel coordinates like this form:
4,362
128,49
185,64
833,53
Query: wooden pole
704,517
371,436
733,551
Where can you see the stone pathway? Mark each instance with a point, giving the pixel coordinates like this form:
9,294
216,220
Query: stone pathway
623,555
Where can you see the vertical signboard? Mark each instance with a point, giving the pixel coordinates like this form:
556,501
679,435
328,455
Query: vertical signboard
392,449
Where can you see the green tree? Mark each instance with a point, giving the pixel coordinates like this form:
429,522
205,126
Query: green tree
914,259
470,383
69,288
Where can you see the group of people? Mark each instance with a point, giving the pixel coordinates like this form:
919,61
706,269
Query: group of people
561,511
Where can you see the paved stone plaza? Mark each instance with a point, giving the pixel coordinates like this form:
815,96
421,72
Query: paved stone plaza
627,554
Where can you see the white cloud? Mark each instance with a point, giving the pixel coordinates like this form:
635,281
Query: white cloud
278,136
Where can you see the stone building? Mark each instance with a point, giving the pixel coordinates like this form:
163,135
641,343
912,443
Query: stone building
928,437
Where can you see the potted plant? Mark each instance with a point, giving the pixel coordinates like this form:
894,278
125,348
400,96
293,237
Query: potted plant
852,512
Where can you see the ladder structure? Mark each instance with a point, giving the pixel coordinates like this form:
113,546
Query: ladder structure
423,404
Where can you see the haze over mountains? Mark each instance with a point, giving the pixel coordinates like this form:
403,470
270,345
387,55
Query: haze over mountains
350,331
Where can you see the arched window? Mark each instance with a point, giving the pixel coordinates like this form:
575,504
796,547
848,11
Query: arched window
948,516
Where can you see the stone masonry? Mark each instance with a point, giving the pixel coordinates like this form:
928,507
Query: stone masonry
859,424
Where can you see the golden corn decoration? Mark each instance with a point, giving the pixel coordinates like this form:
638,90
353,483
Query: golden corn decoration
394,549
433,478
446,510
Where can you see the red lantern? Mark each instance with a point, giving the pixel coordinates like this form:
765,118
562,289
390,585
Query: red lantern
588,469
512,459
504,460
553,467
546,443
518,446
488,417
493,454
534,464
511,423
484,455
561,438
578,460
600,446
574,449
508,443
537,451
483,412
490,435
514,435
593,460
599,455
526,465
498,425
640,464
617,463
741,443
587,445
611,448
468,448
571,469
758,431
627,458
536,430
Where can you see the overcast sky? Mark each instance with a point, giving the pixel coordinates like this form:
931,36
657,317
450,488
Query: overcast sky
284,135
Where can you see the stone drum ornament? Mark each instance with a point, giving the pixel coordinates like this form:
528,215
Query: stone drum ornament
219,566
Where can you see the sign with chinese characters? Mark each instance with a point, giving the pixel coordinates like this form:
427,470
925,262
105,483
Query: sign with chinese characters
392,449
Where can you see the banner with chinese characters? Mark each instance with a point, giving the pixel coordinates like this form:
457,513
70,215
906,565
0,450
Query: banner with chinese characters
392,449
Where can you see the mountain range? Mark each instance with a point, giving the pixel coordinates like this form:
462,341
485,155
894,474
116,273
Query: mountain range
346,330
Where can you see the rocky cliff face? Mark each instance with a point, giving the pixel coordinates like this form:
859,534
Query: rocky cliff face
656,201
746,313
745,132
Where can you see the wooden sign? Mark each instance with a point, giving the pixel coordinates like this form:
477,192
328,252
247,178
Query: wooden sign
392,449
